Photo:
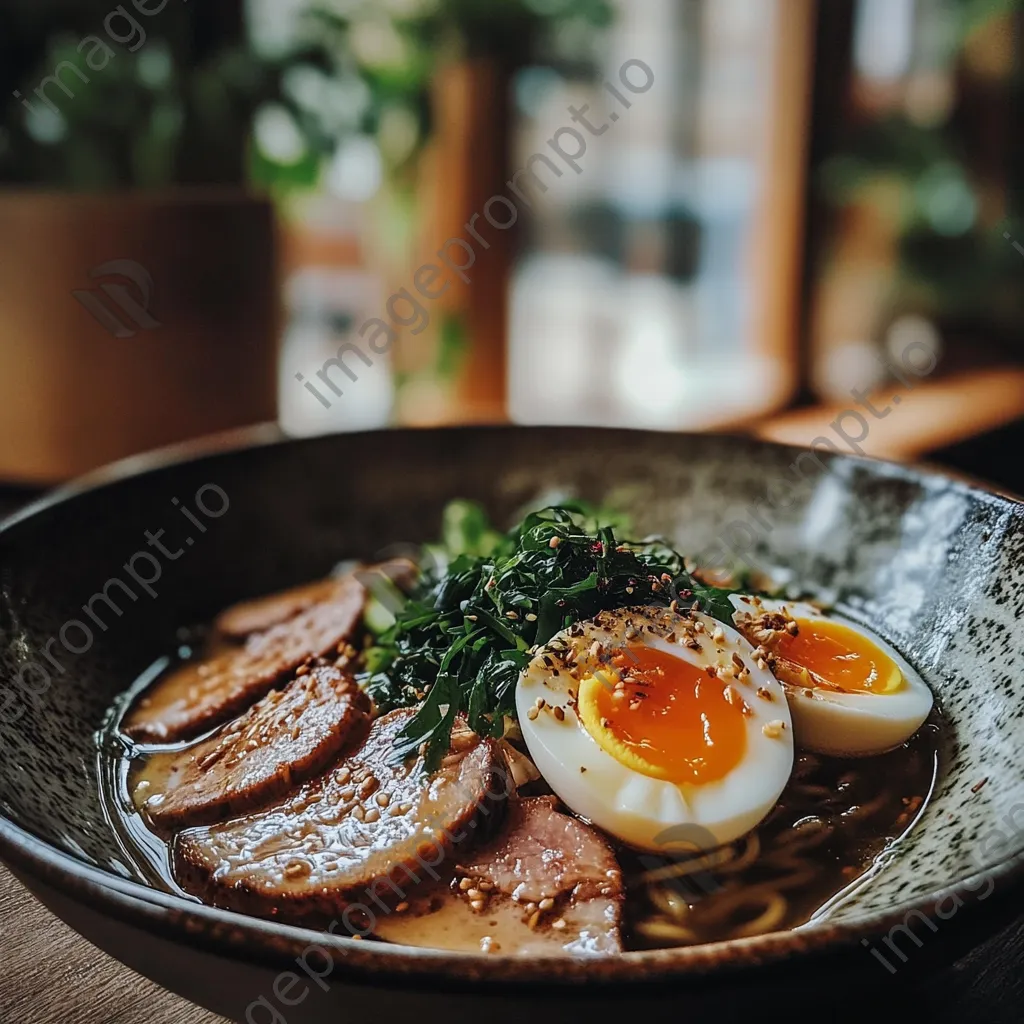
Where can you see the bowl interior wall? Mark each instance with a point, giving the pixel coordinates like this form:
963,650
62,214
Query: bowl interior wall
935,567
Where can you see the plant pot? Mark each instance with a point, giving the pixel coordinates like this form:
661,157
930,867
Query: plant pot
131,321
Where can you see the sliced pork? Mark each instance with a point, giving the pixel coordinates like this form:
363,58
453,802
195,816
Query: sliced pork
202,694
263,613
287,737
354,842
546,884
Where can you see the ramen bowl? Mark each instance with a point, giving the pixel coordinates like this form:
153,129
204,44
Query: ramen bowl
98,579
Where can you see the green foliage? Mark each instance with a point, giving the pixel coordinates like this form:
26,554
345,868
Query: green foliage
152,113
169,111
954,265
396,48
461,641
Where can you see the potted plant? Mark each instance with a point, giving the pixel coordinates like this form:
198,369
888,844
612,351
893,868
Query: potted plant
138,278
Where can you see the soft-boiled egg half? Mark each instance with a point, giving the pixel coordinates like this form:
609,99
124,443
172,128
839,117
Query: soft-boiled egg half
850,693
645,720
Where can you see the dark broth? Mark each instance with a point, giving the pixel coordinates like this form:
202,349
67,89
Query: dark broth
835,826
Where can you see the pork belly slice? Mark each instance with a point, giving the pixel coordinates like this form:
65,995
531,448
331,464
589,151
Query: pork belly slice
547,884
262,613
287,737
201,694
353,843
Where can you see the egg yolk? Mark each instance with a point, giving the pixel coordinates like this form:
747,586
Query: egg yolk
833,656
663,717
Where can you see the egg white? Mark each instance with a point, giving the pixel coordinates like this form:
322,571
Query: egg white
849,724
638,808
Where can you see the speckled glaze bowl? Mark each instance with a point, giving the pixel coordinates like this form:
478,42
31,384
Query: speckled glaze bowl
936,566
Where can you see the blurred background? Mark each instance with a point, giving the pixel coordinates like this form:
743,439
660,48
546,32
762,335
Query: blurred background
800,219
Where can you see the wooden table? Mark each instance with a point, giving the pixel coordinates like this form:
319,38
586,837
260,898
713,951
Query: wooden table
50,975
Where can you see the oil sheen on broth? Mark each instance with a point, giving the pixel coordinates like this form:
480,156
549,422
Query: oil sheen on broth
616,707
823,841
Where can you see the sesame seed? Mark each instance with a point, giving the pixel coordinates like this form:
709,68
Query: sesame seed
558,923
546,904
773,729
205,762
465,885
532,714
558,713
554,542
402,907
531,617
511,615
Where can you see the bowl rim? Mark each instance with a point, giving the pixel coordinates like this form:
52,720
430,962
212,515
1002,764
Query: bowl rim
243,937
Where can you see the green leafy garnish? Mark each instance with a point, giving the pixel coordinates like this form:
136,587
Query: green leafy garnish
460,642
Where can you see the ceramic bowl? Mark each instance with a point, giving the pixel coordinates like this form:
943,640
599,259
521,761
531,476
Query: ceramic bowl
934,565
